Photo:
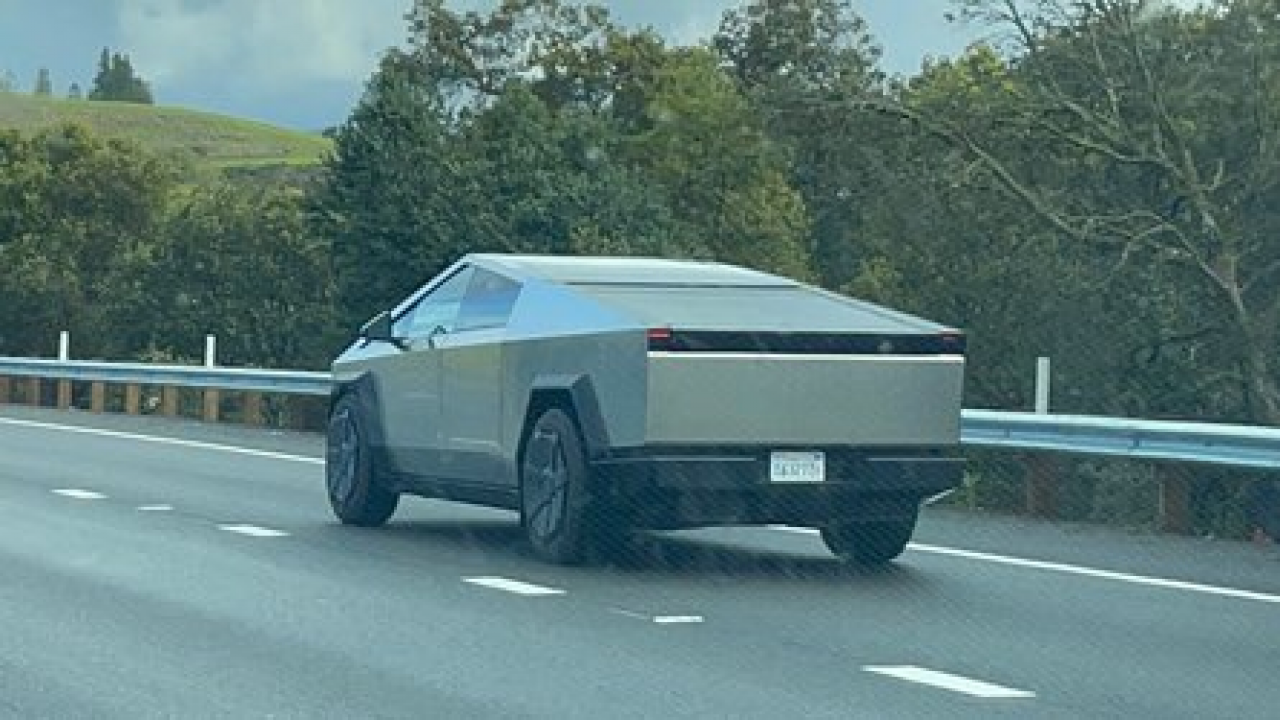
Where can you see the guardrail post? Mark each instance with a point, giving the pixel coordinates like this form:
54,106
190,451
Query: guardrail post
1042,470
169,401
4,390
212,404
33,391
252,408
64,354
133,399
1175,499
212,397
1042,486
98,397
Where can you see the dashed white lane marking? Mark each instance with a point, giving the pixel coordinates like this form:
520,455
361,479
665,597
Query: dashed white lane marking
660,619
253,531
1079,570
947,681
155,508
678,619
194,444
517,587
78,494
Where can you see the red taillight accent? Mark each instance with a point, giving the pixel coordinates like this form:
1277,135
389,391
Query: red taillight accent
659,338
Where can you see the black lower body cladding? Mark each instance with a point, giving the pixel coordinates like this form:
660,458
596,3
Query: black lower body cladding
669,488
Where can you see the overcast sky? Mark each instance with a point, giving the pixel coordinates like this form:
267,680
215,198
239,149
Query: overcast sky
302,62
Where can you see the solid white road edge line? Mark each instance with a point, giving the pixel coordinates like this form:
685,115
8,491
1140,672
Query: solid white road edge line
1079,570
195,444
1101,574
77,494
253,531
947,681
517,587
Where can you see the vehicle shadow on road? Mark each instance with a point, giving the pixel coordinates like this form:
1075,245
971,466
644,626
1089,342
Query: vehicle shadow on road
651,555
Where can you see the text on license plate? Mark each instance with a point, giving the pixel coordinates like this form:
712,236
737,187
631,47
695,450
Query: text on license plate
799,467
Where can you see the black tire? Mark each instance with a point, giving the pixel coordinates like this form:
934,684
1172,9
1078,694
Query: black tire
869,542
556,508
356,496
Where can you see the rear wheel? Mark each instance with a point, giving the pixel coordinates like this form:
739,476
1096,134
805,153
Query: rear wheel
869,542
354,492
556,507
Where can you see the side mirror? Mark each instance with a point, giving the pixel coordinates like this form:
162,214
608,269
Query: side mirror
380,329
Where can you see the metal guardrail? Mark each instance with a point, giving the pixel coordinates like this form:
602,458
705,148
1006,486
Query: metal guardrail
1236,445
1214,443
288,382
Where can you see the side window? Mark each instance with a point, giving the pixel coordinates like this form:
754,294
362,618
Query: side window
489,301
438,308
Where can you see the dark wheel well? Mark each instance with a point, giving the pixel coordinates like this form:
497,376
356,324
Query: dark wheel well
541,401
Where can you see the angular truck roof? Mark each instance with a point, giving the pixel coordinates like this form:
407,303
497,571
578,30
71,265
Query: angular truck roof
699,295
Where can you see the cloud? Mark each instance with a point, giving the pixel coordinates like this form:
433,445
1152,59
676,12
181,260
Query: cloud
267,44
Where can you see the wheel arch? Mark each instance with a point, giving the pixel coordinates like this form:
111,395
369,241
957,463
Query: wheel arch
576,395
363,389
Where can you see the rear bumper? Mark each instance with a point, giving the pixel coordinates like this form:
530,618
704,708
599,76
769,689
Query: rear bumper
673,487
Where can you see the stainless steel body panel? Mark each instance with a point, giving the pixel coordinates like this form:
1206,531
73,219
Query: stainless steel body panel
473,399
790,400
554,334
409,384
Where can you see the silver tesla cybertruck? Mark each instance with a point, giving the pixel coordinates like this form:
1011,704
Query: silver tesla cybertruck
600,395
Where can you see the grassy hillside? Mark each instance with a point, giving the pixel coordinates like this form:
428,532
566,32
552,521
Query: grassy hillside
216,139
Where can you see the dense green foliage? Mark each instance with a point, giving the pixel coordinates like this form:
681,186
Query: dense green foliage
1100,184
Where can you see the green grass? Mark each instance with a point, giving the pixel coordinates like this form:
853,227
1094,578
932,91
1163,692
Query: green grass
221,141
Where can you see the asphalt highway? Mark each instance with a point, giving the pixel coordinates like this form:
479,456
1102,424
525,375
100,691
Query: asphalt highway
158,569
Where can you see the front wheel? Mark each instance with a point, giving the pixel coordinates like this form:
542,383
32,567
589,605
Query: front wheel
354,492
555,505
869,542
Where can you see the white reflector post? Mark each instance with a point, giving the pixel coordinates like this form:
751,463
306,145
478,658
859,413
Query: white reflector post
210,351
1042,385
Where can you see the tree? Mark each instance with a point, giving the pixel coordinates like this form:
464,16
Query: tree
239,262
722,175
44,83
801,61
8,81
552,44
74,92
560,182
78,215
116,81
808,44
1165,170
393,193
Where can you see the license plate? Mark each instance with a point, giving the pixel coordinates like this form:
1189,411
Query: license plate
797,467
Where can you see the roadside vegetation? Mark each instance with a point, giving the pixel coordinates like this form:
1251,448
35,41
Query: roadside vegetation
1097,183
